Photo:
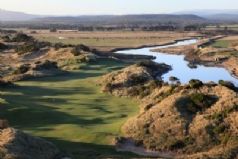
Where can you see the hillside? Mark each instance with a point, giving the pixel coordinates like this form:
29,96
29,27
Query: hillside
125,19
100,19
15,16
192,121
221,15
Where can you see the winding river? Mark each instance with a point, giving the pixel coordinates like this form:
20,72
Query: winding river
180,68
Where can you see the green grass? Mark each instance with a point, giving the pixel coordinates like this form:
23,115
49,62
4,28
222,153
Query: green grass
70,110
222,44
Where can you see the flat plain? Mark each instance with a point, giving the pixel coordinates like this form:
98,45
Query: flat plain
106,41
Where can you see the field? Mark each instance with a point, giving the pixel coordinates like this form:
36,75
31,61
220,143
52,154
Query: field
226,42
106,41
221,44
70,110
222,27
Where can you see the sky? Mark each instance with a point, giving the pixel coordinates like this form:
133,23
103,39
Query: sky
92,7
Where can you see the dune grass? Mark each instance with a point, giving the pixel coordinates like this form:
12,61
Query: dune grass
70,110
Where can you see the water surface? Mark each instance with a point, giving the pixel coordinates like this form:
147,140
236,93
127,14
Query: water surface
180,67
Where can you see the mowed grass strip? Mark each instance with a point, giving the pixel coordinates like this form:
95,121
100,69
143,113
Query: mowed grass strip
70,110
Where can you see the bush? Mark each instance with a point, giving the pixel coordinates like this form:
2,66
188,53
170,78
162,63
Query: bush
227,84
176,144
137,79
57,46
31,46
172,79
46,65
191,104
223,114
194,83
28,47
22,69
6,38
21,37
202,101
80,49
85,58
148,64
3,46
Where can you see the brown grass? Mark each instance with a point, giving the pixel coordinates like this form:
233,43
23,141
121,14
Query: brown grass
106,41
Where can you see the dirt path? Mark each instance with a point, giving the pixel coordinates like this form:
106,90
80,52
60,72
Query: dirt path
129,146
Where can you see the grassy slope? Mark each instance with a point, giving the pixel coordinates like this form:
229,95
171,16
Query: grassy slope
70,110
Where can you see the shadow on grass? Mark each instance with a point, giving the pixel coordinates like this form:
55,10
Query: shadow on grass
79,150
34,107
39,108
92,69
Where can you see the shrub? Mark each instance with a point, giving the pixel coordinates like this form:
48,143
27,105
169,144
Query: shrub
6,38
85,58
202,101
136,91
223,114
31,46
148,64
227,84
3,46
46,65
80,49
194,103
136,79
21,37
155,68
220,128
154,84
218,132
27,47
194,83
22,69
176,144
172,79
57,46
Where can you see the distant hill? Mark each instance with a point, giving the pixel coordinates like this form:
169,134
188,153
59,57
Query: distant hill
125,19
15,16
138,19
224,15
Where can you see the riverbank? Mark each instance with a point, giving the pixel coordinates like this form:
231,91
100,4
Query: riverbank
202,54
152,45
205,71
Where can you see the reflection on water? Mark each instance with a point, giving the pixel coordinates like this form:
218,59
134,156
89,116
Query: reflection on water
180,66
